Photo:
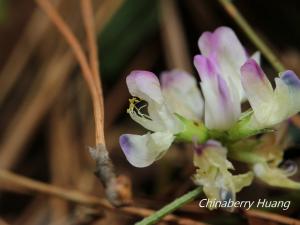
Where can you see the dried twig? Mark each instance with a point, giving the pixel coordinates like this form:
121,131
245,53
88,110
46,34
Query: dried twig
104,168
114,186
82,60
52,76
2,222
245,26
53,79
173,37
88,18
35,30
35,213
64,164
106,11
203,14
271,217
81,198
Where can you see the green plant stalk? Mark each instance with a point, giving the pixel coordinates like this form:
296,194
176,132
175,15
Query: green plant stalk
177,203
241,21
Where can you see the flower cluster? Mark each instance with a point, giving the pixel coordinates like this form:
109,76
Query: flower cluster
173,109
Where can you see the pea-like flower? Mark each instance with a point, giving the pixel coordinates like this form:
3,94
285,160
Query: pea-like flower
182,95
269,106
277,176
174,110
271,169
214,175
222,104
155,110
265,158
219,70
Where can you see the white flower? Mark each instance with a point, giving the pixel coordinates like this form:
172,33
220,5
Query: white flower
270,168
270,106
213,172
219,70
224,48
275,176
222,104
149,108
182,94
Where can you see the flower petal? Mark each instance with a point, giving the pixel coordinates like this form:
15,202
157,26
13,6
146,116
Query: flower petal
182,94
145,85
223,40
287,96
242,180
257,57
218,97
229,54
213,173
258,90
274,176
270,107
143,150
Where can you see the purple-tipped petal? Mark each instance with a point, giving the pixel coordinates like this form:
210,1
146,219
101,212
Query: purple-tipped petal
270,107
206,43
290,79
143,150
258,89
229,55
145,85
286,96
182,94
252,68
206,67
218,97
222,41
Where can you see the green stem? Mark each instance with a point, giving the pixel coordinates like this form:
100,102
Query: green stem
241,21
177,203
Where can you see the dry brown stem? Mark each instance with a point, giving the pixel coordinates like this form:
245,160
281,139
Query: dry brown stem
33,186
52,75
23,124
64,163
3,222
95,92
32,35
104,167
177,55
88,19
271,217
35,213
